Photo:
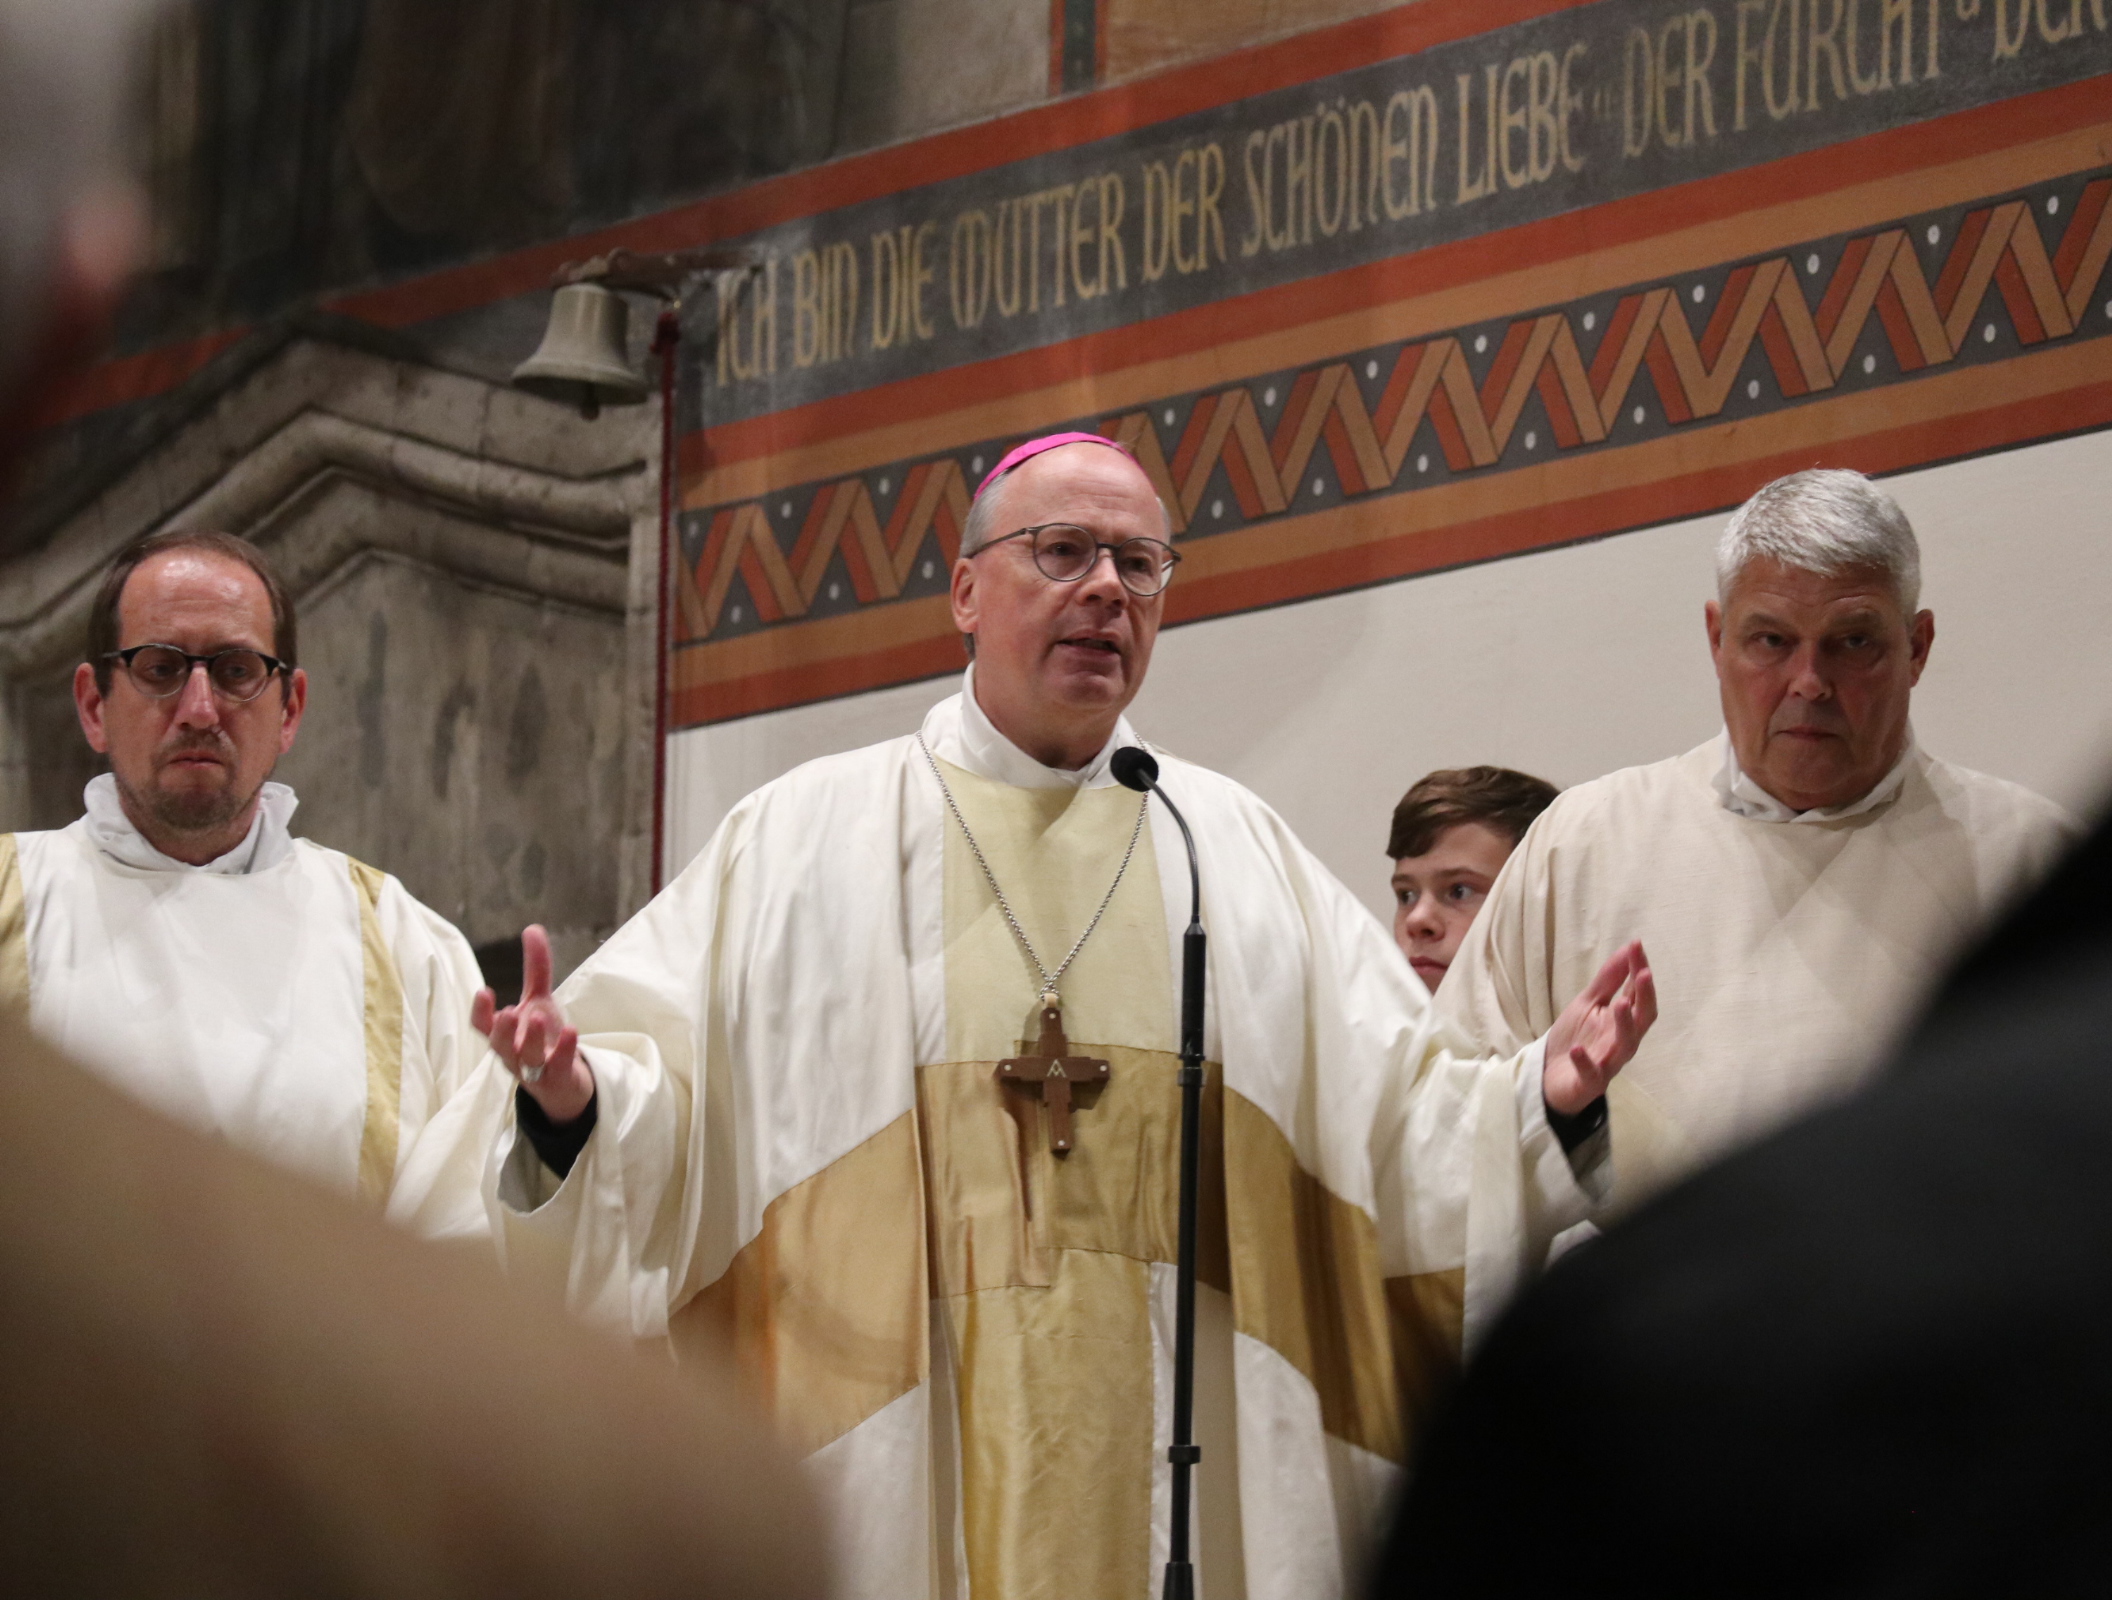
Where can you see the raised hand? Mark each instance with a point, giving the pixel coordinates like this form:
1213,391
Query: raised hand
1597,1033
533,1039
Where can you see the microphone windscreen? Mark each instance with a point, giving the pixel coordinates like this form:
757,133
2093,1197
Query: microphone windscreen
1134,768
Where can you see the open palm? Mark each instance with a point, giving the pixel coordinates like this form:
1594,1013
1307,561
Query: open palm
1597,1033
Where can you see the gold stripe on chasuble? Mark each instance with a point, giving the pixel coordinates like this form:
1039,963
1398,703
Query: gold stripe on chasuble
1000,1200
999,1205
1048,1314
1429,1318
824,1310
14,929
1306,1281
1041,1265
384,1036
1055,1389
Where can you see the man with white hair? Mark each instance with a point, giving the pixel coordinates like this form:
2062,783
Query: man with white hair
881,1093
1800,879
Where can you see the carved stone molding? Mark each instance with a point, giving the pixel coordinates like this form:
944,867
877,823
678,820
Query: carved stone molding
335,458
544,536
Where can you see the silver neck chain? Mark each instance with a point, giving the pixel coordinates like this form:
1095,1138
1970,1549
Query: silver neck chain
1048,979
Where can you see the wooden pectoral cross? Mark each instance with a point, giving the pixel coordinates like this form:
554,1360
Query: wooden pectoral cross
1051,1071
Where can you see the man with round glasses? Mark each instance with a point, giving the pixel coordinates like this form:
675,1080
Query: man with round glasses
1066,553
180,939
881,1095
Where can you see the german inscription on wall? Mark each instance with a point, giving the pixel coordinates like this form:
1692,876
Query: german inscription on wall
1587,105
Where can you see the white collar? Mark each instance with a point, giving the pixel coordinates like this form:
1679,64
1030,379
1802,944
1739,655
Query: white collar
1743,797
265,845
957,730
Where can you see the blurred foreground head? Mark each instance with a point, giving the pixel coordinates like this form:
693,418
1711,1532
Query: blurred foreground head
1869,1357
216,1380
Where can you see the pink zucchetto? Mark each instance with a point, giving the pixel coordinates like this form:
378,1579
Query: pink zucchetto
1021,453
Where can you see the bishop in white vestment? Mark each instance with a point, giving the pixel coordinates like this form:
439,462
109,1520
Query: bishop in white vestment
178,939
1800,880
813,1142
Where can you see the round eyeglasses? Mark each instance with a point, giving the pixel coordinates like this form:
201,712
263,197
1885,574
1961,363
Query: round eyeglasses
1066,553
161,670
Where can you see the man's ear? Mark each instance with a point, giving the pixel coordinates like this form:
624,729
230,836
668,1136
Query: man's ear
88,706
1712,619
967,610
1921,635
296,703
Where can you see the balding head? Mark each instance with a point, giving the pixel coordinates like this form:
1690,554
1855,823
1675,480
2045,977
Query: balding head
985,515
1057,662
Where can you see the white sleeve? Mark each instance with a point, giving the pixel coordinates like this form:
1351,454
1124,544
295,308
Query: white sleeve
452,1093
615,1235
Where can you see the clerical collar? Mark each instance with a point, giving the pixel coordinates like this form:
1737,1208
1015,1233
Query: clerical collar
265,845
1743,797
957,731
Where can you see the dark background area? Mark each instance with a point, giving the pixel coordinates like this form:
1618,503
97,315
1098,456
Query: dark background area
297,146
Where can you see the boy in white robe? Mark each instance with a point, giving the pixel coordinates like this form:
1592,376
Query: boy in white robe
178,938
1801,879
782,1112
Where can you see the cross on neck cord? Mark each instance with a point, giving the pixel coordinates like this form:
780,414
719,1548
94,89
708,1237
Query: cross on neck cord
1050,1069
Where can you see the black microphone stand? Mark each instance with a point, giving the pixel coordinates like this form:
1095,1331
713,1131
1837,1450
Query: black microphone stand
1136,769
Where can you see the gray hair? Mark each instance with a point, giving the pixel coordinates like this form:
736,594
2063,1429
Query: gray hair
1826,520
981,525
62,82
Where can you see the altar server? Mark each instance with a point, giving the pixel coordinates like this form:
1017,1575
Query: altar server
1801,878
179,939
882,1097
1452,832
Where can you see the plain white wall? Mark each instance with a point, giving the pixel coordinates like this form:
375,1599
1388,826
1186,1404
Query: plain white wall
1567,663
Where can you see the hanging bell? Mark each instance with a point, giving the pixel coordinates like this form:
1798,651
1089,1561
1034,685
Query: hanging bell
584,357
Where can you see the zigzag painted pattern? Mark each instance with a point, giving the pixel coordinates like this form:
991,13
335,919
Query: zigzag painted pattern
1999,247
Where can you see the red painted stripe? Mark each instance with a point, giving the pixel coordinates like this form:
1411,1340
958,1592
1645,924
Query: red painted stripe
113,383
1881,450
1080,120
817,680
1612,223
1059,125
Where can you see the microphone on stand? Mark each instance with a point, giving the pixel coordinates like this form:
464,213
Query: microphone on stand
1135,768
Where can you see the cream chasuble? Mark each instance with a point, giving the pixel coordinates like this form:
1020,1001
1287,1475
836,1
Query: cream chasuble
286,997
1787,949
804,1154
1043,1266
